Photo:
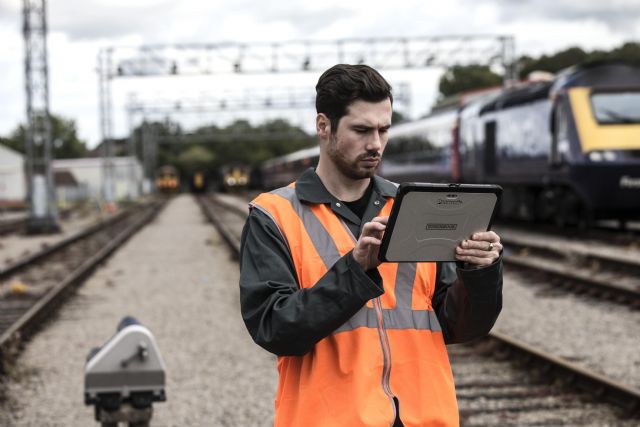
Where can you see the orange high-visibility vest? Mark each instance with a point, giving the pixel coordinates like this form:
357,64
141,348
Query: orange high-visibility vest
392,347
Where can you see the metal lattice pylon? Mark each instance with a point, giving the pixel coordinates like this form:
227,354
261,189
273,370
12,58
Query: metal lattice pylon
43,216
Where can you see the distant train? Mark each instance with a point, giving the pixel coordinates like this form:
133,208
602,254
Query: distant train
199,181
167,180
235,178
566,150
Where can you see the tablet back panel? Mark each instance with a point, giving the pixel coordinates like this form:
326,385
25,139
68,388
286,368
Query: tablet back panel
431,224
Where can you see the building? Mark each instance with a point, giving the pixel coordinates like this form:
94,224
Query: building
68,190
13,183
88,173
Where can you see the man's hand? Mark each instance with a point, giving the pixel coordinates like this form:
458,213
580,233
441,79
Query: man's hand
366,251
482,249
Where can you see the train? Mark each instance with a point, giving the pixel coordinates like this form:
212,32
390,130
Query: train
227,178
283,170
167,179
235,178
199,181
565,150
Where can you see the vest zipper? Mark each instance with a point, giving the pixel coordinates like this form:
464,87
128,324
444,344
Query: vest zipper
386,354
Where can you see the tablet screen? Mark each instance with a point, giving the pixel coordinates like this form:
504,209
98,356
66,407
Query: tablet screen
429,220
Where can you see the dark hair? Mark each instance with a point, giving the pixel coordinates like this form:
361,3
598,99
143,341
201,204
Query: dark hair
342,84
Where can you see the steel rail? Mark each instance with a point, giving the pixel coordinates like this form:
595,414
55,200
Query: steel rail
611,291
225,233
588,380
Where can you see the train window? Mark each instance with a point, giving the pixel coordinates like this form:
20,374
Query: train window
616,107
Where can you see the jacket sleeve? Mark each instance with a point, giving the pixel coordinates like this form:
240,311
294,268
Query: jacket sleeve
467,302
280,316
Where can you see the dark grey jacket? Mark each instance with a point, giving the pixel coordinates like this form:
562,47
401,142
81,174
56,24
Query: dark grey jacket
287,320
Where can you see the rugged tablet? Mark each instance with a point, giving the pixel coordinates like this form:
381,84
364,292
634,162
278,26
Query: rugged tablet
428,221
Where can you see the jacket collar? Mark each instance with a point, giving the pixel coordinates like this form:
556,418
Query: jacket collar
310,189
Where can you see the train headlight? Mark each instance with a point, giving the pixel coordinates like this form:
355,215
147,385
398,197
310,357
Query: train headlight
595,156
600,156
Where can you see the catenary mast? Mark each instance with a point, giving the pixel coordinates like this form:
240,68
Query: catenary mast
43,215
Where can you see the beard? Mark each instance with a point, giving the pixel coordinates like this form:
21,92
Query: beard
352,168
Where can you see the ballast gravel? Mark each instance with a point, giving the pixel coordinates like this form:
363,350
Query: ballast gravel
596,334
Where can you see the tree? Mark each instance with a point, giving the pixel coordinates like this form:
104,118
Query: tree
64,138
463,78
211,147
552,63
628,52
195,158
397,117
242,143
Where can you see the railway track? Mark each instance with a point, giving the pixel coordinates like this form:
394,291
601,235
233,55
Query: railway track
11,226
603,231
33,288
609,272
500,380
17,225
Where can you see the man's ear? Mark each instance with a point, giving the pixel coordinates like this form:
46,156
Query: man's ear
323,126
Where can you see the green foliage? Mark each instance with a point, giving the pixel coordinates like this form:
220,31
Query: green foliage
628,52
64,138
211,147
193,158
397,117
552,63
463,78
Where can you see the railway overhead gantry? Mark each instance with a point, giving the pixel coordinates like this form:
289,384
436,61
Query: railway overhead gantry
289,57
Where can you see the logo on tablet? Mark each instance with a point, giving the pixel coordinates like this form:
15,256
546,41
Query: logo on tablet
449,201
439,226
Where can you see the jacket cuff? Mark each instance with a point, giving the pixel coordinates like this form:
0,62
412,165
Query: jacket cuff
481,279
370,281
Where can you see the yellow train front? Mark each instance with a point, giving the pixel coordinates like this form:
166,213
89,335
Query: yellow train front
235,179
167,180
199,181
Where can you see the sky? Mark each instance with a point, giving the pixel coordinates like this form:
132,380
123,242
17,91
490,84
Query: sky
79,28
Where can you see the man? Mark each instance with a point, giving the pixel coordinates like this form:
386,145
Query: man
359,343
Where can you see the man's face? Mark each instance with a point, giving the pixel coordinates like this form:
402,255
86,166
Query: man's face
357,145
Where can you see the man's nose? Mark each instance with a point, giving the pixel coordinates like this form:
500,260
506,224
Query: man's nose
374,143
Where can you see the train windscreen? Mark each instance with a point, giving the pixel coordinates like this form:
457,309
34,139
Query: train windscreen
616,107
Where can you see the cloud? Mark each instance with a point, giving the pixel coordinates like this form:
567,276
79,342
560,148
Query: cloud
618,16
305,22
9,9
96,19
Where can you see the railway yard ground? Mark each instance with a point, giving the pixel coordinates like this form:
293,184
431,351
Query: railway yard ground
179,278
14,246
